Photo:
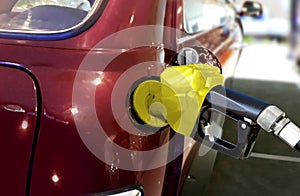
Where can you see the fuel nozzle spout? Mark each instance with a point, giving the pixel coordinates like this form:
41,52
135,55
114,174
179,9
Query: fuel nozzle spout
246,108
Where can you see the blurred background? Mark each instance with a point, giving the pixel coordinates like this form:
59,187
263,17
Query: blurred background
275,21
268,69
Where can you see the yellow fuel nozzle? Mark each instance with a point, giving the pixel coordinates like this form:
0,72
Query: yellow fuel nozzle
177,98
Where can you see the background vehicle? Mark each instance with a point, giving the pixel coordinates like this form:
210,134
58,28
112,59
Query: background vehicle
64,70
274,23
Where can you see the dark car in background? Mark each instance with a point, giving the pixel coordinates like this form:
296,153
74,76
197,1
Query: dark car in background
67,70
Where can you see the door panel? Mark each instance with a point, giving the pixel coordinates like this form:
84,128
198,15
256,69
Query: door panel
18,117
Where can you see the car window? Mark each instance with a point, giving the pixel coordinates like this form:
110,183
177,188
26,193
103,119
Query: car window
200,15
42,15
23,5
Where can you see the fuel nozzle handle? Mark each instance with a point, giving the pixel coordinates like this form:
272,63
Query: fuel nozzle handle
243,107
235,103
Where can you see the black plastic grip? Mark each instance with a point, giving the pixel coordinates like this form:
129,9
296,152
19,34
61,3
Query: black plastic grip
297,146
236,103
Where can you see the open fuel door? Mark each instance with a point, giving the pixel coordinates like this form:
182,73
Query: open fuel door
19,114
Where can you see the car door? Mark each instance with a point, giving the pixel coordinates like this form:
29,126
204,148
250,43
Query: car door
19,119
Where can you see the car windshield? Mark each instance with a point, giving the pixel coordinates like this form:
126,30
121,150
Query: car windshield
42,15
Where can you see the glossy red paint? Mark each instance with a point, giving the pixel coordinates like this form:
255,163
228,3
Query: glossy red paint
63,164
18,119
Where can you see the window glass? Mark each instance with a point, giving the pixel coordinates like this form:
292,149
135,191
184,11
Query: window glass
200,15
44,15
23,5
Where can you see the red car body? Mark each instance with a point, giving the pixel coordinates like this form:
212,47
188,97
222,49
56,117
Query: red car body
43,153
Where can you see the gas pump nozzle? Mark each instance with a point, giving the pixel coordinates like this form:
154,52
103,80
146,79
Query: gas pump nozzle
251,114
186,97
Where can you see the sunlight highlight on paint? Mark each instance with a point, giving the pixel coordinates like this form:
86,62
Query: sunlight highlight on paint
74,110
55,178
24,124
98,80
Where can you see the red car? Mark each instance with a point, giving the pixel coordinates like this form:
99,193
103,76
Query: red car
67,71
